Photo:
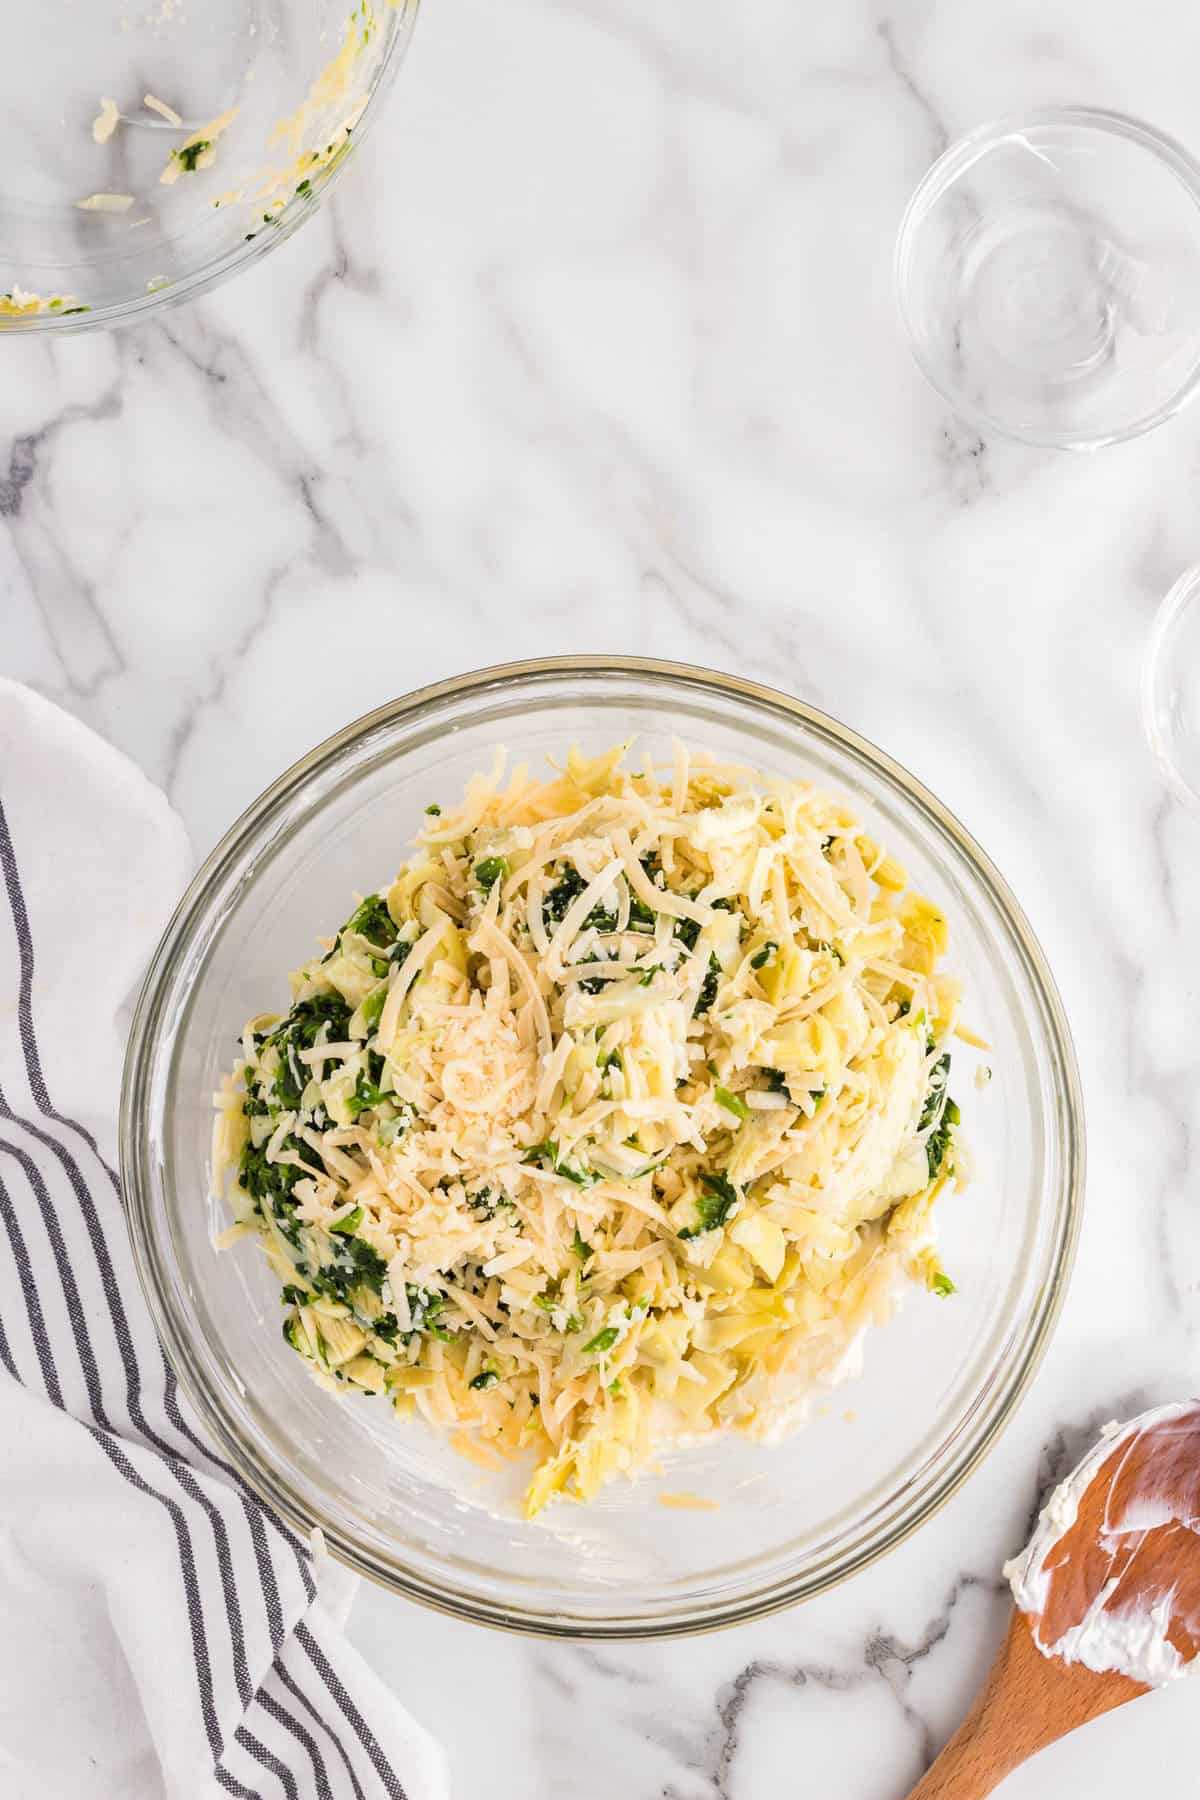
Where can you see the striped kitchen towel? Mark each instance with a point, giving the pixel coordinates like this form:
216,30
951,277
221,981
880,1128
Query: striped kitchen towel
165,1633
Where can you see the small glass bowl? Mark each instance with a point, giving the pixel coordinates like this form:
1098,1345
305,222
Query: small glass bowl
1048,273
398,1504
1170,696
149,149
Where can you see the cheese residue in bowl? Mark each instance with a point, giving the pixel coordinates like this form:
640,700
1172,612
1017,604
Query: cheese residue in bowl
614,1121
18,303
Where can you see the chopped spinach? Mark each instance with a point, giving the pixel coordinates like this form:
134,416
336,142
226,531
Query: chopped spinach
367,1094
274,1181
569,887
592,984
560,897
545,1156
355,1264
686,932
715,1207
486,1204
486,1378
299,1032
254,1106
935,1093
938,1141
491,870
641,916
373,921
708,992
424,1306
939,1116
188,155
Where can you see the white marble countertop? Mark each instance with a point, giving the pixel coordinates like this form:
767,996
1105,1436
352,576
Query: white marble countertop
595,351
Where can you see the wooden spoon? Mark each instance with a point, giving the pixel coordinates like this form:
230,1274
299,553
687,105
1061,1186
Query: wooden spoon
1108,1602
1026,1703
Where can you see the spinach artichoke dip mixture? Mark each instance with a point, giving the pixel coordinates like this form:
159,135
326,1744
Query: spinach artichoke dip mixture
615,1121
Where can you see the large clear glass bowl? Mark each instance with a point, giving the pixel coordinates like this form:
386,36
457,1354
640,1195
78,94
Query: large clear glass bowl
398,1504
280,92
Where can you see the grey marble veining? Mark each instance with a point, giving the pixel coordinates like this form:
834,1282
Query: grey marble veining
595,350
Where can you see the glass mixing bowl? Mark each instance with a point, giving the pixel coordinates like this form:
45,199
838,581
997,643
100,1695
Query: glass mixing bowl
150,148
1048,274
1170,693
397,1503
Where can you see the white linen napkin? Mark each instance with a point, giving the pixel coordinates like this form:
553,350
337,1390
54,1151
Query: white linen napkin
165,1633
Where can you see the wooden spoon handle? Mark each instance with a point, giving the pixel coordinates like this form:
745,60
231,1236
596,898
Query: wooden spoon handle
967,1769
984,1749
1026,1703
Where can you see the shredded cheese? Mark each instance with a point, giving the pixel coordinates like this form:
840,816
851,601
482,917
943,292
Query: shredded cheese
105,121
153,104
109,203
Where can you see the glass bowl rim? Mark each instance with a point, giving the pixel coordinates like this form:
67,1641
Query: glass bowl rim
138,1185
212,274
953,161
1180,597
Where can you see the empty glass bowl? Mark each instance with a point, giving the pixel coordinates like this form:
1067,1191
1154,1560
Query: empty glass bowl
150,148
397,1503
1048,274
1171,688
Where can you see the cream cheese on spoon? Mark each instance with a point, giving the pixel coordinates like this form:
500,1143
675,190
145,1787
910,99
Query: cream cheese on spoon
1111,1576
